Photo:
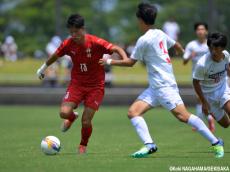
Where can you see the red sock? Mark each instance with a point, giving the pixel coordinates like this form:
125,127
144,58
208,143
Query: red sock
72,117
85,135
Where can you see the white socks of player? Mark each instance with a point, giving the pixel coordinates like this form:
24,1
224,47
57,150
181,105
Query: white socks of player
200,114
197,123
199,111
142,129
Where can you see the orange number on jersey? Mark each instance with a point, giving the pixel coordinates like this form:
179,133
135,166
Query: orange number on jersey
164,51
163,48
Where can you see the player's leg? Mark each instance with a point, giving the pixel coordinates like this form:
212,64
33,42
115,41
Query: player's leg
225,103
199,112
135,114
181,113
169,97
86,129
72,98
209,118
92,101
225,120
67,113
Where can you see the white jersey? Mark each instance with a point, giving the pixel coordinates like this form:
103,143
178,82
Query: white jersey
200,49
152,49
212,75
172,29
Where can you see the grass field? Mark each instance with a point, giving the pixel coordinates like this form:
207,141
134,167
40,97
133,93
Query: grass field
113,139
24,72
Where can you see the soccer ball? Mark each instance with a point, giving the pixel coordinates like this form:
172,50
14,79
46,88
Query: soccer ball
50,145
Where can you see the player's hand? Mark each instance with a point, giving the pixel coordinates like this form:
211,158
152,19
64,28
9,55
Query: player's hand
206,108
41,71
106,60
102,62
40,74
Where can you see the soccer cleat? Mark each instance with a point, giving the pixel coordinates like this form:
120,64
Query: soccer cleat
67,123
211,123
82,149
145,151
218,149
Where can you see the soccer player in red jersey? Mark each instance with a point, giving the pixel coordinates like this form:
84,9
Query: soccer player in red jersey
87,75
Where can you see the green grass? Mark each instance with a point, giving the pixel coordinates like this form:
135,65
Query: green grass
24,72
113,139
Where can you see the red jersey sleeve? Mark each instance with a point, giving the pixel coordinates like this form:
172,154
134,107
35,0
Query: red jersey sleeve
61,50
106,46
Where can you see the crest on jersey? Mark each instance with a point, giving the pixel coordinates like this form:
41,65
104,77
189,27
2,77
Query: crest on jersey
88,52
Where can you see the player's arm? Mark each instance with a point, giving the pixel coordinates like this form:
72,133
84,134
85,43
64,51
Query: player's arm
199,92
173,44
124,61
189,53
179,49
186,60
41,70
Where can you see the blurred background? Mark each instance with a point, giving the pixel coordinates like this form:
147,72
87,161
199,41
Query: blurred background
31,30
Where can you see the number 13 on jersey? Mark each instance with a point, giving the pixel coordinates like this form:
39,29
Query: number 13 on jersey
83,67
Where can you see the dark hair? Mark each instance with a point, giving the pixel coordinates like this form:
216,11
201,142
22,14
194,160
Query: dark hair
75,20
147,13
197,24
217,40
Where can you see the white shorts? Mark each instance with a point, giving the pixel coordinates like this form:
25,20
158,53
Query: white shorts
168,97
217,101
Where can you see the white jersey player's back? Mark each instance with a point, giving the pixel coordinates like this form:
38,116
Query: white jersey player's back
152,49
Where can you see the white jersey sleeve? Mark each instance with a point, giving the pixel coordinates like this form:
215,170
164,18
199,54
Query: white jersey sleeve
227,55
138,51
188,51
170,41
199,72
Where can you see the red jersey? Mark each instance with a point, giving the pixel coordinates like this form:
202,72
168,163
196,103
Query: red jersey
86,71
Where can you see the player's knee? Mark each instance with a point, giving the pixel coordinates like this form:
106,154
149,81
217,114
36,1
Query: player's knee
226,125
65,114
131,113
182,117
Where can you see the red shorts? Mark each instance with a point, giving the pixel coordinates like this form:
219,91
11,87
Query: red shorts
91,96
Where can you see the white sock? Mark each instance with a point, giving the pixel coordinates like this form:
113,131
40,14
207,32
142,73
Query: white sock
209,117
142,129
197,123
199,112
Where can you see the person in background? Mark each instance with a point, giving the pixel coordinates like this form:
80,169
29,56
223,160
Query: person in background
172,29
194,50
9,49
51,73
108,73
66,64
